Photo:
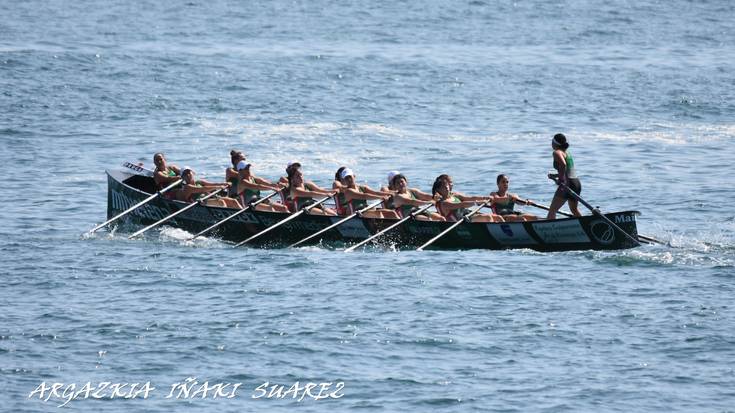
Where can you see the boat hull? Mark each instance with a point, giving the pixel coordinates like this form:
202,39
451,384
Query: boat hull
583,233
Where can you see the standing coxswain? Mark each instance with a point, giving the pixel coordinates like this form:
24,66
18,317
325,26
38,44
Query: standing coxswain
566,175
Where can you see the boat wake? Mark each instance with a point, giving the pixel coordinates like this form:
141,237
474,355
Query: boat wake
704,250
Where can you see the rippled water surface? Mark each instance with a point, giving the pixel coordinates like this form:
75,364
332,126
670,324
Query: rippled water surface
643,90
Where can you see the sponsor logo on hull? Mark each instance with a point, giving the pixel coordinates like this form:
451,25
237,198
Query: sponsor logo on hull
622,219
602,232
561,232
510,234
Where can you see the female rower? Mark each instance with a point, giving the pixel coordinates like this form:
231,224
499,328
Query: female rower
337,183
405,201
231,174
309,185
454,206
354,197
503,202
164,174
388,204
564,165
297,196
249,187
193,189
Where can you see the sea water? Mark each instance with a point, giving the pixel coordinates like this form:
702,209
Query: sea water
644,91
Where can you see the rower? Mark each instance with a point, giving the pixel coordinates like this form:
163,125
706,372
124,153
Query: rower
388,204
504,202
406,201
354,197
337,183
231,174
249,187
164,174
193,189
454,206
566,174
297,196
310,185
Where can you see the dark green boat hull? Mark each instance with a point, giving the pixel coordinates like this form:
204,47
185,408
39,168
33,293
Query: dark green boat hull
584,233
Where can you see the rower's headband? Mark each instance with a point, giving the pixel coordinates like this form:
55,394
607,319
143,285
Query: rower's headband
555,142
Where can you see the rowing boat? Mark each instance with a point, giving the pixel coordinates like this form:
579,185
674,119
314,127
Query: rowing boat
129,186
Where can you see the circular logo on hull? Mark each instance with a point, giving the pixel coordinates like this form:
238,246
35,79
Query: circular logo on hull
602,232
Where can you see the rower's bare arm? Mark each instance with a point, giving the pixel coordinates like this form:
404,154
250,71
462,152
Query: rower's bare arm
310,185
561,164
262,181
351,193
519,200
472,199
161,178
366,189
451,206
421,195
250,185
311,194
404,199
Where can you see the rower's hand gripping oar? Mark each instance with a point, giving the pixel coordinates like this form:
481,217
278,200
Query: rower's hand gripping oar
401,221
283,221
182,210
136,206
245,209
466,218
597,212
338,223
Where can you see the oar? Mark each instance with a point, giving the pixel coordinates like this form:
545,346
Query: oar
401,221
132,208
653,240
446,231
643,237
245,209
598,213
182,210
279,223
547,208
336,224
